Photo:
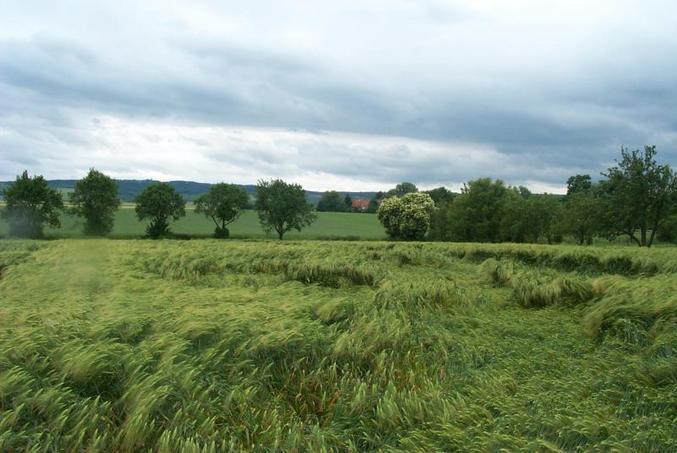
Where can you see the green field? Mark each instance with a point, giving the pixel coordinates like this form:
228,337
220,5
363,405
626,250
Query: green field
329,225
345,346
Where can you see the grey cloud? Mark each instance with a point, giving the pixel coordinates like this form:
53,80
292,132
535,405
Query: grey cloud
548,103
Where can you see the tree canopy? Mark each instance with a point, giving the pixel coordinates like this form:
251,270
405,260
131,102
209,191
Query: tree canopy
95,197
30,204
159,202
282,207
402,189
223,204
639,192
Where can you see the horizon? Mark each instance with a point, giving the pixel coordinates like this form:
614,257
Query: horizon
354,96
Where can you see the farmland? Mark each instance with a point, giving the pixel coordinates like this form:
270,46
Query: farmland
329,225
132,345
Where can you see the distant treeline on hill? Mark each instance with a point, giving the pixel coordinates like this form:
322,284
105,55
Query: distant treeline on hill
128,189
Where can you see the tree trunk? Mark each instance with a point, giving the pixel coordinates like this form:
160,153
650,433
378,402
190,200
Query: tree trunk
653,231
643,237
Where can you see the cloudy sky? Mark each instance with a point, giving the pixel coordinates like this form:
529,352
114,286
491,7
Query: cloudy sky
349,95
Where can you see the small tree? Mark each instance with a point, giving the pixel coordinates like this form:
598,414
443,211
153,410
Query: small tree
95,198
408,217
30,204
282,207
223,204
640,194
159,202
331,202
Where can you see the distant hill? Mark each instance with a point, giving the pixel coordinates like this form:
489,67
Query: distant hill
130,188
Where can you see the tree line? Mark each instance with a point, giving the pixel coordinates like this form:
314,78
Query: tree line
31,204
636,198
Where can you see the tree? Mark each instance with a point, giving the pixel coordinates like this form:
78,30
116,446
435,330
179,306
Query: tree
441,195
331,202
402,189
30,204
282,207
530,219
159,202
524,192
583,216
668,230
640,194
579,183
408,217
348,203
95,197
476,214
223,204
373,206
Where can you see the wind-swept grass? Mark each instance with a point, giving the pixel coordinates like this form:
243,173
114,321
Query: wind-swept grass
335,346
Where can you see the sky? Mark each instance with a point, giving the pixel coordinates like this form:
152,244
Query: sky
344,95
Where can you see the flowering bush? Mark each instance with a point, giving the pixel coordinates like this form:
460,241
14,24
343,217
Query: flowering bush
408,217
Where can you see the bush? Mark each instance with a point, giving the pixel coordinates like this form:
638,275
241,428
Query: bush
408,217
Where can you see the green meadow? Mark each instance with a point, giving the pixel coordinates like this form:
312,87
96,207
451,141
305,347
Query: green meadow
329,225
257,345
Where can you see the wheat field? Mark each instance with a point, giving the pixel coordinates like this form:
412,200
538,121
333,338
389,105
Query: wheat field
335,346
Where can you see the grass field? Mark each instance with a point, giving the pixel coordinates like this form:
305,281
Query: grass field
328,225
351,346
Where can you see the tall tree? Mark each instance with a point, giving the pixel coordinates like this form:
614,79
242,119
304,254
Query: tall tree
402,189
441,195
640,193
579,183
30,204
95,197
331,202
282,207
475,215
159,202
223,204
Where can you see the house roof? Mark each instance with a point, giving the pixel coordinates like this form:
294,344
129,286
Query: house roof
360,203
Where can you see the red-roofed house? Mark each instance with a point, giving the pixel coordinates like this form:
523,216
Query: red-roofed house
360,204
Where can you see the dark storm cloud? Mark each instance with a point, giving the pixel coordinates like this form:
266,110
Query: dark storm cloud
535,95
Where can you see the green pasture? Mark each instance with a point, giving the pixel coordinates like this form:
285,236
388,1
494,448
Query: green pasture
328,225
138,345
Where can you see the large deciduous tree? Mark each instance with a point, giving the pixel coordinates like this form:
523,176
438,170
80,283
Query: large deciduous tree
282,207
95,197
159,202
476,214
407,217
223,204
30,204
640,193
